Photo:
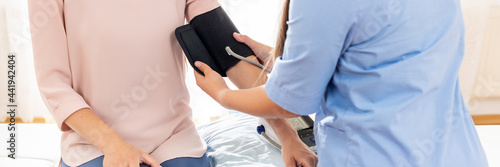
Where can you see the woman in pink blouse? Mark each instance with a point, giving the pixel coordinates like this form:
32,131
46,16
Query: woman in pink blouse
113,77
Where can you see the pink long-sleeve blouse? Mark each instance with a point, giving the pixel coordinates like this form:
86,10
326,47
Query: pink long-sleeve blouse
119,58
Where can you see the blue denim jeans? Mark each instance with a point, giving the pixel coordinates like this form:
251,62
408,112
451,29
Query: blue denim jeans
176,162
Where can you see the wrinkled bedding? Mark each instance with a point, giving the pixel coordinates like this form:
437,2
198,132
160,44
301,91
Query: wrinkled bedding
233,141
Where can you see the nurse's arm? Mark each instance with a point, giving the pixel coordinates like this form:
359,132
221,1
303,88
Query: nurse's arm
245,75
252,101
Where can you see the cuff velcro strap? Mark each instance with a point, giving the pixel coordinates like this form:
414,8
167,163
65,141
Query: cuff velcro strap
194,49
215,29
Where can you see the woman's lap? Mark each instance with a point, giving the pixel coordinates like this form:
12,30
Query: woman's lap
182,161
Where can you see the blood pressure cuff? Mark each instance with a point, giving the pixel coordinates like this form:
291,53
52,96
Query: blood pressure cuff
215,31
194,48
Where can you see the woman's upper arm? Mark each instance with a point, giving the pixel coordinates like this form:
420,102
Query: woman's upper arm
51,59
197,7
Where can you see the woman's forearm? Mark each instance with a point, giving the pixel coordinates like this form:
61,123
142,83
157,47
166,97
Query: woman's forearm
254,102
88,125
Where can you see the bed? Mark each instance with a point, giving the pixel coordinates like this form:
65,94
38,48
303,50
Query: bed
231,140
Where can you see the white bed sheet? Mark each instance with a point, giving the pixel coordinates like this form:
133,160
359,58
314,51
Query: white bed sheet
233,141
38,145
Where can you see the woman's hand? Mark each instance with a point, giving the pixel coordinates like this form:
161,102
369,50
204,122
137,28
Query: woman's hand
116,151
125,155
296,153
212,83
263,52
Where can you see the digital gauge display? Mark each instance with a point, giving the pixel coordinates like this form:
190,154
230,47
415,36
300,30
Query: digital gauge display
299,123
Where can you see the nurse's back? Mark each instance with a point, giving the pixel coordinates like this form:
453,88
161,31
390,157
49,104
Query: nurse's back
395,99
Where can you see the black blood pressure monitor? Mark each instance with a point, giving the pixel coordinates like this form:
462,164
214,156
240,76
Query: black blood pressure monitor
305,128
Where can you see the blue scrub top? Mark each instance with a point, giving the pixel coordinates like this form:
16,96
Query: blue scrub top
382,77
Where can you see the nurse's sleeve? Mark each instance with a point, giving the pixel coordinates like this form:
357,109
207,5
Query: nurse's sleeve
51,59
318,34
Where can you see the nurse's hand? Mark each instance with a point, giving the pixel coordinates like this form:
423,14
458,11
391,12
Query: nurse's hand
262,51
212,83
296,153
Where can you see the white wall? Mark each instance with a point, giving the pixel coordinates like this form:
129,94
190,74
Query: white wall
15,38
480,72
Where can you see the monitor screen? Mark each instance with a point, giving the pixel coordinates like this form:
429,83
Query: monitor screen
299,123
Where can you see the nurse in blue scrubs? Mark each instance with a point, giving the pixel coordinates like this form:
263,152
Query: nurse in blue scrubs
381,76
